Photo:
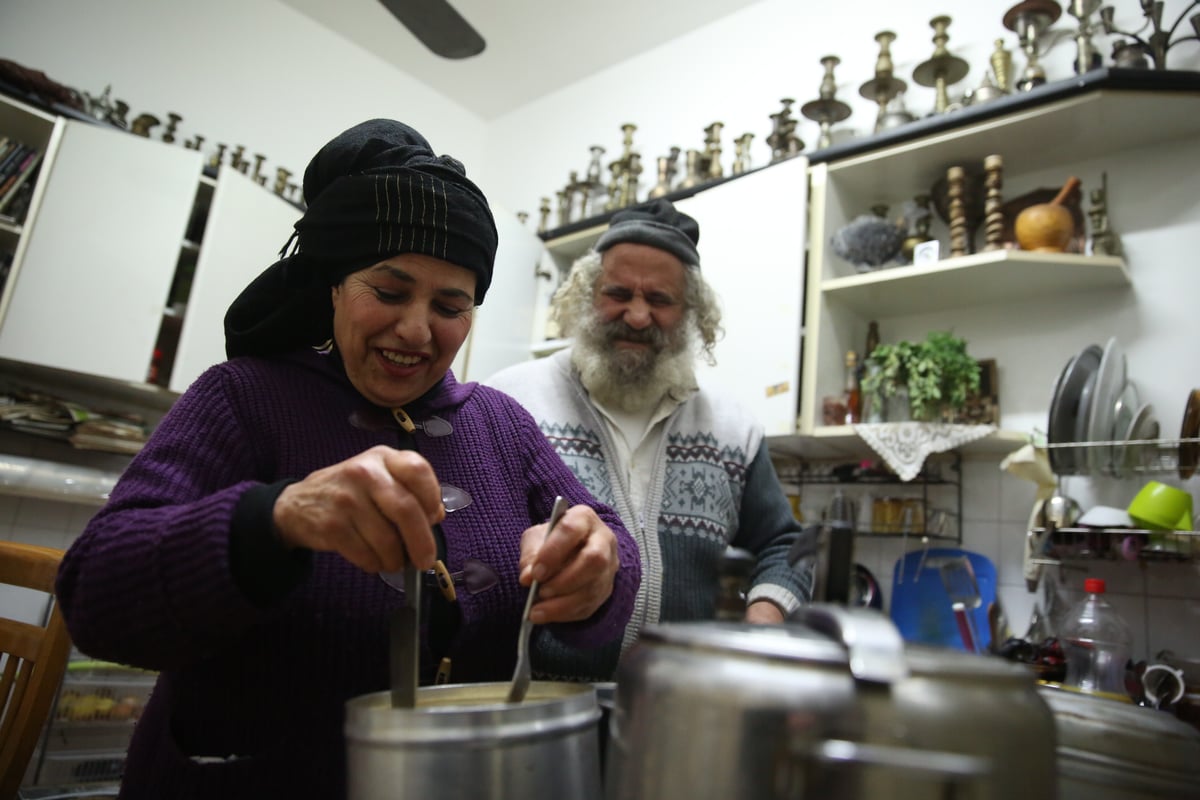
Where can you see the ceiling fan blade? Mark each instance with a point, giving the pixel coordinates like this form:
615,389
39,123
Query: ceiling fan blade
439,27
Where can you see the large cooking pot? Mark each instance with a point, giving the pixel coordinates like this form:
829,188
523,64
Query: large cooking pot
465,740
832,706
1108,750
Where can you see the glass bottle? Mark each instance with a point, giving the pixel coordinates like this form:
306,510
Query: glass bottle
872,339
851,394
1097,643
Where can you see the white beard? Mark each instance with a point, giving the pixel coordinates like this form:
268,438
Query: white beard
633,380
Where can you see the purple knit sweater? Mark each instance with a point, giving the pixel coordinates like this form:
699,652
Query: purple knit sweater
250,699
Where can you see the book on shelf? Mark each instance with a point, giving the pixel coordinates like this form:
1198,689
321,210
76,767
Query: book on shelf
10,185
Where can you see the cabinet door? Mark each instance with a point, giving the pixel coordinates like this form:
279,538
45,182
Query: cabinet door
245,227
752,239
500,333
89,293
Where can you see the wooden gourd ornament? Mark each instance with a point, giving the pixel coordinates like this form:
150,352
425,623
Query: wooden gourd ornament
1048,227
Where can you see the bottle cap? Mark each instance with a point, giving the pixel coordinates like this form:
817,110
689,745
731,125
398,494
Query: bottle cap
1094,585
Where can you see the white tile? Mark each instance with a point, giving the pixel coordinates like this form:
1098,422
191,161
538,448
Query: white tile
1173,579
44,537
1174,624
37,513
1010,563
8,508
982,538
981,489
1017,499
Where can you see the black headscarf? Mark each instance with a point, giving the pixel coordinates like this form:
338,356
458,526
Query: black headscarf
374,191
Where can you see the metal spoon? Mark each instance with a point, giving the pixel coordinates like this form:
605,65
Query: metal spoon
524,673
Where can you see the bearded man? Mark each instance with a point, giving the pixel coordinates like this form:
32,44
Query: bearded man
687,468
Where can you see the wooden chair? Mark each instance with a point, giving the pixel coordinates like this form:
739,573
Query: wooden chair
34,659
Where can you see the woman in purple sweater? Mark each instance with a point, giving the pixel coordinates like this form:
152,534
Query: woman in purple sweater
240,553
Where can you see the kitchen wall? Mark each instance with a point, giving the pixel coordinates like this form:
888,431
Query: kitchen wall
257,72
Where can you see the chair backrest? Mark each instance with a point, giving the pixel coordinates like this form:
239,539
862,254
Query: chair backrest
34,659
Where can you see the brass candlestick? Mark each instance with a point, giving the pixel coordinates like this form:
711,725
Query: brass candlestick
1001,61
173,121
1029,19
543,215
666,174
826,109
884,86
741,153
993,204
710,164
783,141
956,180
1087,57
942,69
1159,41
694,177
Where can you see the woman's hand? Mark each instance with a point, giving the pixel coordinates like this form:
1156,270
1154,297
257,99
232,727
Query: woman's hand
372,509
575,566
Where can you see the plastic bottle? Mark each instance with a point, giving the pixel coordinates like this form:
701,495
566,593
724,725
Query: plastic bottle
1097,643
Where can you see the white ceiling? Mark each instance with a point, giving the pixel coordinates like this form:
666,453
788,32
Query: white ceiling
533,46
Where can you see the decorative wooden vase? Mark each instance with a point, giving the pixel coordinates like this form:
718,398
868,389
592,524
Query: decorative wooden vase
1048,227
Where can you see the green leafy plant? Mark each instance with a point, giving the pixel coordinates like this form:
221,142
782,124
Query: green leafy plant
937,373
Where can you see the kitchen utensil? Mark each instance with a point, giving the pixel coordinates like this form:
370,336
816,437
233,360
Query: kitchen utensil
1060,511
831,704
1109,750
1144,427
921,608
1189,451
1106,517
1065,408
1110,382
464,740
523,673
405,642
959,580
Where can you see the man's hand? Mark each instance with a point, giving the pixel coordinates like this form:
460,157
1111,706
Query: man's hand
764,612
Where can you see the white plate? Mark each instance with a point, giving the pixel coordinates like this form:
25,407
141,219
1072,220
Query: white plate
1127,457
1110,382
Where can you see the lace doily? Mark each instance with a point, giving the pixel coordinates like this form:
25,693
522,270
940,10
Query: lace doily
905,445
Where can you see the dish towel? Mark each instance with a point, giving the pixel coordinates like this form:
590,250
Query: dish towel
905,445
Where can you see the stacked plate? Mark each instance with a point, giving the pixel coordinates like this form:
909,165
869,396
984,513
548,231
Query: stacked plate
1094,402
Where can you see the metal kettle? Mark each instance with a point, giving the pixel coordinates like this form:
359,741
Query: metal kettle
831,705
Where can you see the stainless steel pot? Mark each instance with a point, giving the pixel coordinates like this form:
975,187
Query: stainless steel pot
1108,750
831,706
464,740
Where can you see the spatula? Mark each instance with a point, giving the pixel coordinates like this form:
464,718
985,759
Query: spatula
524,672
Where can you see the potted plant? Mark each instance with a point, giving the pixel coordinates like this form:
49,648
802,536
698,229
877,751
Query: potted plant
936,374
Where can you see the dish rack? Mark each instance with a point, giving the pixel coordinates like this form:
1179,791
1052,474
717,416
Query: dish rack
88,732
1114,544
1139,457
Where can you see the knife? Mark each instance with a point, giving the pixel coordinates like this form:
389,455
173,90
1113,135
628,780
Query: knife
405,642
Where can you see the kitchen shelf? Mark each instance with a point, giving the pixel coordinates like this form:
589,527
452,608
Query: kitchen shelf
840,441
994,276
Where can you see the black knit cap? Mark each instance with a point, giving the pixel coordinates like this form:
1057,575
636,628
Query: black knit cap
657,224
374,191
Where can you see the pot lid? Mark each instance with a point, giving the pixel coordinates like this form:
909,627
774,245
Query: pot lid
1094,728
862,640
782,642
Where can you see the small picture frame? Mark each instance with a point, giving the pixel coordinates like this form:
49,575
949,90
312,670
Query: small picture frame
983,407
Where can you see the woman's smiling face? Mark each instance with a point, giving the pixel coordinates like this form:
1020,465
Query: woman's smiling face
399,324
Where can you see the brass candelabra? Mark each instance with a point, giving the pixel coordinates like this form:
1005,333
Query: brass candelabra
1160,39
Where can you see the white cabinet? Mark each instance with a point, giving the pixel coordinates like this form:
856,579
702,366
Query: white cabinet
752,236
244,230
500,333
94,260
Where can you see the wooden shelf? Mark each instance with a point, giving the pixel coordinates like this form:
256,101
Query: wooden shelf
994,276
